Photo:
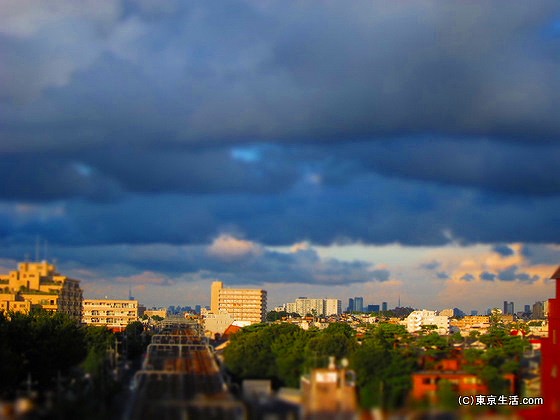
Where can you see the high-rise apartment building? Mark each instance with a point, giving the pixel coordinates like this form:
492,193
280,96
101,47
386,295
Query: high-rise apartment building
384,306
333,307
312,306
110,313
306,306
538,310
241,304
39,284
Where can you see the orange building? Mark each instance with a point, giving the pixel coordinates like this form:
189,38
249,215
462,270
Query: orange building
426,384
40,285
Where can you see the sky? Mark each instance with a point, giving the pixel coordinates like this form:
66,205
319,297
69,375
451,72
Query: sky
392,150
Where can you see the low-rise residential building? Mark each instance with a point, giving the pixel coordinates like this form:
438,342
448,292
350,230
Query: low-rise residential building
419,319
469,323
150,313
111,313
217,323
39,284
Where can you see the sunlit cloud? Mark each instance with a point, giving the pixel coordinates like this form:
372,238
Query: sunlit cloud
228,247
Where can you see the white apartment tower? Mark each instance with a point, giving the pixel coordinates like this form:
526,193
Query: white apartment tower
333,307
313,306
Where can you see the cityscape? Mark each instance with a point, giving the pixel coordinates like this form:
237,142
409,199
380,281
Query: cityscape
502,362
256,209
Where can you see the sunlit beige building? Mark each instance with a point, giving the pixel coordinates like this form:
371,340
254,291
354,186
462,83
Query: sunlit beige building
40,285
13,302
110,313
161,313
241,304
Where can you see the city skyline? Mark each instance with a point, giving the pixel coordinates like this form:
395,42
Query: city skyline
374,149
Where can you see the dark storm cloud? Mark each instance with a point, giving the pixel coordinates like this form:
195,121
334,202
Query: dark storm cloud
257,266
442,275
433,265
512,274
377,122
225,71
541,254
503,250
487,276
479,163
369,210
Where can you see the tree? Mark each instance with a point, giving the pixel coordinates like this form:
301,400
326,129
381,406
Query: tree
99,340
288,349
255,340
276,315
434,347
38,345
135,340
337,340
502,356
383,365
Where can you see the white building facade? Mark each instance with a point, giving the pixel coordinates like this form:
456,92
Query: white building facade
419,319
313,306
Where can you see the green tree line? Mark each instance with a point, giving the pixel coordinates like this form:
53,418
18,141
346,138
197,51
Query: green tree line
383,359
41,351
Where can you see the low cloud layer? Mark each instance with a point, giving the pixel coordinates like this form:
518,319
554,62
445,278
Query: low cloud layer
231,127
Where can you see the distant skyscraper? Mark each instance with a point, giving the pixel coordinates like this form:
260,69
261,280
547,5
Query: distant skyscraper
375,308
527,309
384,306
506,307
350,305
538,310
511,309
359,304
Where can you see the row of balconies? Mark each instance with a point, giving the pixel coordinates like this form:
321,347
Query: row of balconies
110,304
122,321
111,313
